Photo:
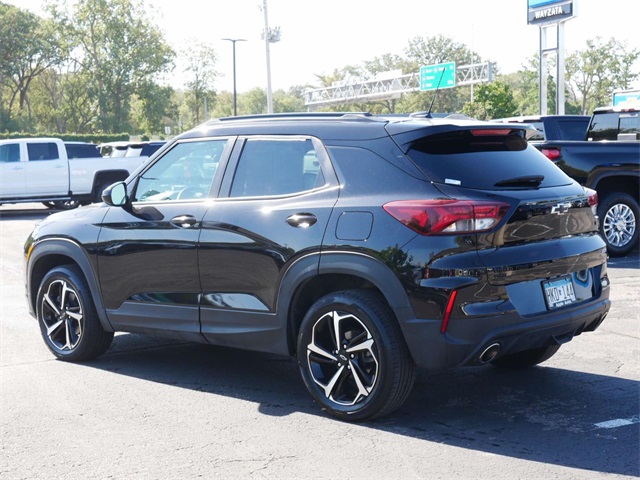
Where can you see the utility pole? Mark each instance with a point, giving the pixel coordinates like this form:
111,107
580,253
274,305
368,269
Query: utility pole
270,36
235,95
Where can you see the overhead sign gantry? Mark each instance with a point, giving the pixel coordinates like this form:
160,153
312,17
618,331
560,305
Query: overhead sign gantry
391,85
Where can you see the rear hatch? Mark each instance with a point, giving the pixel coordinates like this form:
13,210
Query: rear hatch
547,232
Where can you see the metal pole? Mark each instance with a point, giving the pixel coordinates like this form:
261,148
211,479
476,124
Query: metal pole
560,71
235,96
266,43
543,71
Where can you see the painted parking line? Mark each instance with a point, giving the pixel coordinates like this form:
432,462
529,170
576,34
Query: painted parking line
618,422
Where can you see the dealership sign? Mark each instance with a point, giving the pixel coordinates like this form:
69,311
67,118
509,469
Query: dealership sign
545,11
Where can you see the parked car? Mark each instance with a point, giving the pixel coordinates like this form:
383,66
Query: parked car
363,245
130,149
143,149
55,173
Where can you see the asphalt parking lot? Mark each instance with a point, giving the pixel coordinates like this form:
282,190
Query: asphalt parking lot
154,408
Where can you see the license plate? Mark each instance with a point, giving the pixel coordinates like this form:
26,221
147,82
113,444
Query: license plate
559,292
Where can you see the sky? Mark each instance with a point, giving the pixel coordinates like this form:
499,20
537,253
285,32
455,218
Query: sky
320,36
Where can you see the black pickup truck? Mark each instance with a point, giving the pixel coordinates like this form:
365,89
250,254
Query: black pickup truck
604,157
554,127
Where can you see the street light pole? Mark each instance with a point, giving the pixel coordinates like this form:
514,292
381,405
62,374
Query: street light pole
270,35
235,103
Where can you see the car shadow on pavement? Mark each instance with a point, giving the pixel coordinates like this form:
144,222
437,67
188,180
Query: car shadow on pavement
631,260
549,415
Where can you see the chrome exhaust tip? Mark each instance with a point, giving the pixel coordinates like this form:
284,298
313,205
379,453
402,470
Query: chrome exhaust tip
489,353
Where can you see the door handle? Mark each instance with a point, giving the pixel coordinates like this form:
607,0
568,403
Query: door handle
184,221
302,220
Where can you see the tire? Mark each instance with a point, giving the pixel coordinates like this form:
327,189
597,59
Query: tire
618,213
372,372
64,204
527,358
67,316
49,204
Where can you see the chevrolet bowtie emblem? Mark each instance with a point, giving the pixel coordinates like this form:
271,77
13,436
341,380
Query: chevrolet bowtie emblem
561,208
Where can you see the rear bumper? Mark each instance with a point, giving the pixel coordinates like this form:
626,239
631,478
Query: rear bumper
504,296
551,329
467,338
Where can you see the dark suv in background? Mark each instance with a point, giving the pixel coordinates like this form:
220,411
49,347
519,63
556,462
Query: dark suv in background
364,245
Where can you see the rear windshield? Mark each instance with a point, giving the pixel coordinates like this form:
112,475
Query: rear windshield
485,161
573,129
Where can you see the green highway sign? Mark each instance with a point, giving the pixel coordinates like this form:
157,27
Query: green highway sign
442,75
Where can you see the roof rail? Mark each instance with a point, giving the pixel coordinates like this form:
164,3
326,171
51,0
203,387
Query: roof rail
262,116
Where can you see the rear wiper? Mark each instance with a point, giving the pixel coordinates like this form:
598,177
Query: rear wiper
525,181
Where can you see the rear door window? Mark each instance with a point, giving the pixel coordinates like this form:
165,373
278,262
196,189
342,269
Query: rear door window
482,161
42,151
276,166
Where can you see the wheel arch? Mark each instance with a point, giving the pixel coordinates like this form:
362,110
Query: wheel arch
619,181
319,275
52,253
105,177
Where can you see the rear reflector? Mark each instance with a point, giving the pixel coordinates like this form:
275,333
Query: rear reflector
447,217
447,312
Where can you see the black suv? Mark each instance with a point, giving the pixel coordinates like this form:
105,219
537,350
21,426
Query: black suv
364,245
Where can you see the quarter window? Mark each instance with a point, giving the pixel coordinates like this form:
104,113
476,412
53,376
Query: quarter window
276,167
184,172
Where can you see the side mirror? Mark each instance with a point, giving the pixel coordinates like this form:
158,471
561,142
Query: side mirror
115,195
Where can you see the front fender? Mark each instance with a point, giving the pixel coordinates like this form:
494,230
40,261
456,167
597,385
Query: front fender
52,252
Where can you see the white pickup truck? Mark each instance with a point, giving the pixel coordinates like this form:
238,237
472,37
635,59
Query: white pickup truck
40,170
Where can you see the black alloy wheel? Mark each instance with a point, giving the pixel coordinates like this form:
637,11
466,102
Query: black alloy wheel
67,316
352,356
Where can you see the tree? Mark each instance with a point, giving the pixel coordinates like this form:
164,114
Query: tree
593,73
224,105
200,67
30,45
120,48
492,100
151,108
290,100
252,102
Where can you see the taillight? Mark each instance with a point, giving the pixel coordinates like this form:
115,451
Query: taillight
592,195
551,153
442,217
